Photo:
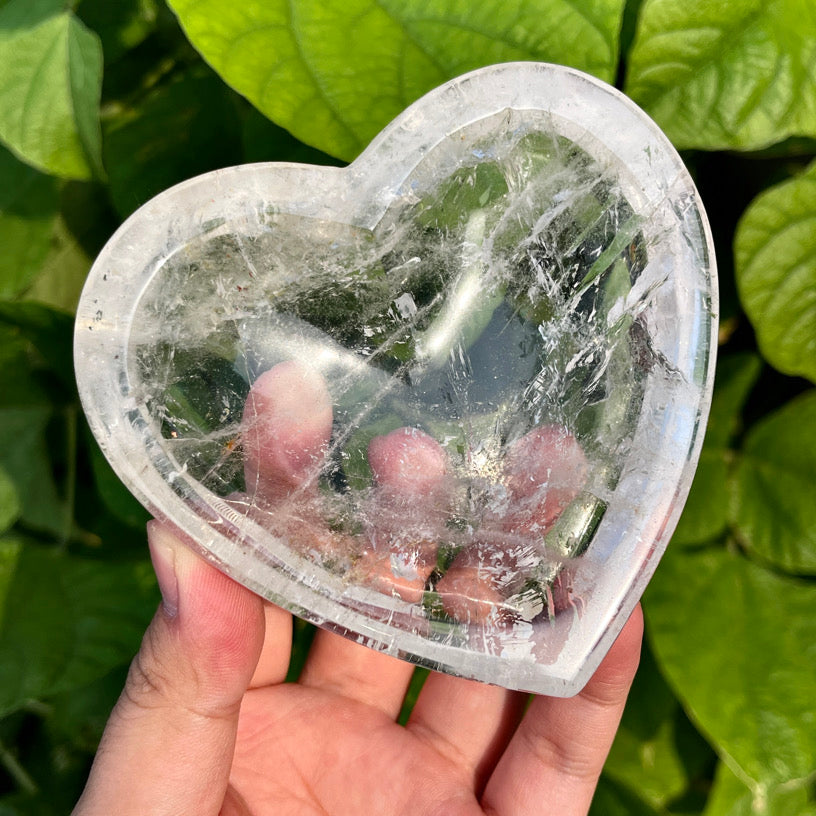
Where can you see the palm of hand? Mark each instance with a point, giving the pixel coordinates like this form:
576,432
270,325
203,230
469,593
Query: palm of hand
330,744
320,753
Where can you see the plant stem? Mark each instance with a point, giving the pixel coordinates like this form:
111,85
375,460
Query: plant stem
16,771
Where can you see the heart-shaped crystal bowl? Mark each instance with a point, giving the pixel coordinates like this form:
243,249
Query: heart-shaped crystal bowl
447,400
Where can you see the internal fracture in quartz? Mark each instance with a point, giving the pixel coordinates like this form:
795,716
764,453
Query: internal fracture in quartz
434,409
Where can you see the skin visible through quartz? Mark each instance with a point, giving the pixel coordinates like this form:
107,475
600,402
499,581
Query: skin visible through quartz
405,544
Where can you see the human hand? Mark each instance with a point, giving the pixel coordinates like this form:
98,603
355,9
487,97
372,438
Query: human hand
207,725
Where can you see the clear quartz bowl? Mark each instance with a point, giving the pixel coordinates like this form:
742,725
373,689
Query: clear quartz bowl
512,291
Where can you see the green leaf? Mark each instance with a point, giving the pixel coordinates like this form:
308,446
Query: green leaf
179,130
10,508
773,508
652,752
35,433
726,75
736,376
731,797
775,256
9,554
705,515
334,72
62,274
85,222
50,331
68,621
24,804
24,455
28,207
49,97
80,715
115,496
738,645
20,383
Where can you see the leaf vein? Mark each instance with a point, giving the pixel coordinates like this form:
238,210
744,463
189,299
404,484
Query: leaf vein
318,83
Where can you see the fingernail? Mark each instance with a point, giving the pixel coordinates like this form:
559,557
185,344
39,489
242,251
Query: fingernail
163,551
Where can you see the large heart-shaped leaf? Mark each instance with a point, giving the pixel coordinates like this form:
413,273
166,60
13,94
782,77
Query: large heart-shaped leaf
334,73
726,75
775,255
730,796
772,505
738,644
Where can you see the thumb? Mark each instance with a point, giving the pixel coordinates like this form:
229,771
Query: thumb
167,748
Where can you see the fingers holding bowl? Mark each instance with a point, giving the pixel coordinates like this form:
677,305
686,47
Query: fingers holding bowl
470,554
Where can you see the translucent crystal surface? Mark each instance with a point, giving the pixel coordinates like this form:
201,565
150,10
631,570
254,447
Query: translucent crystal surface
446,400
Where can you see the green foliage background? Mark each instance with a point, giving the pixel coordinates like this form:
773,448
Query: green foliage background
104,104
